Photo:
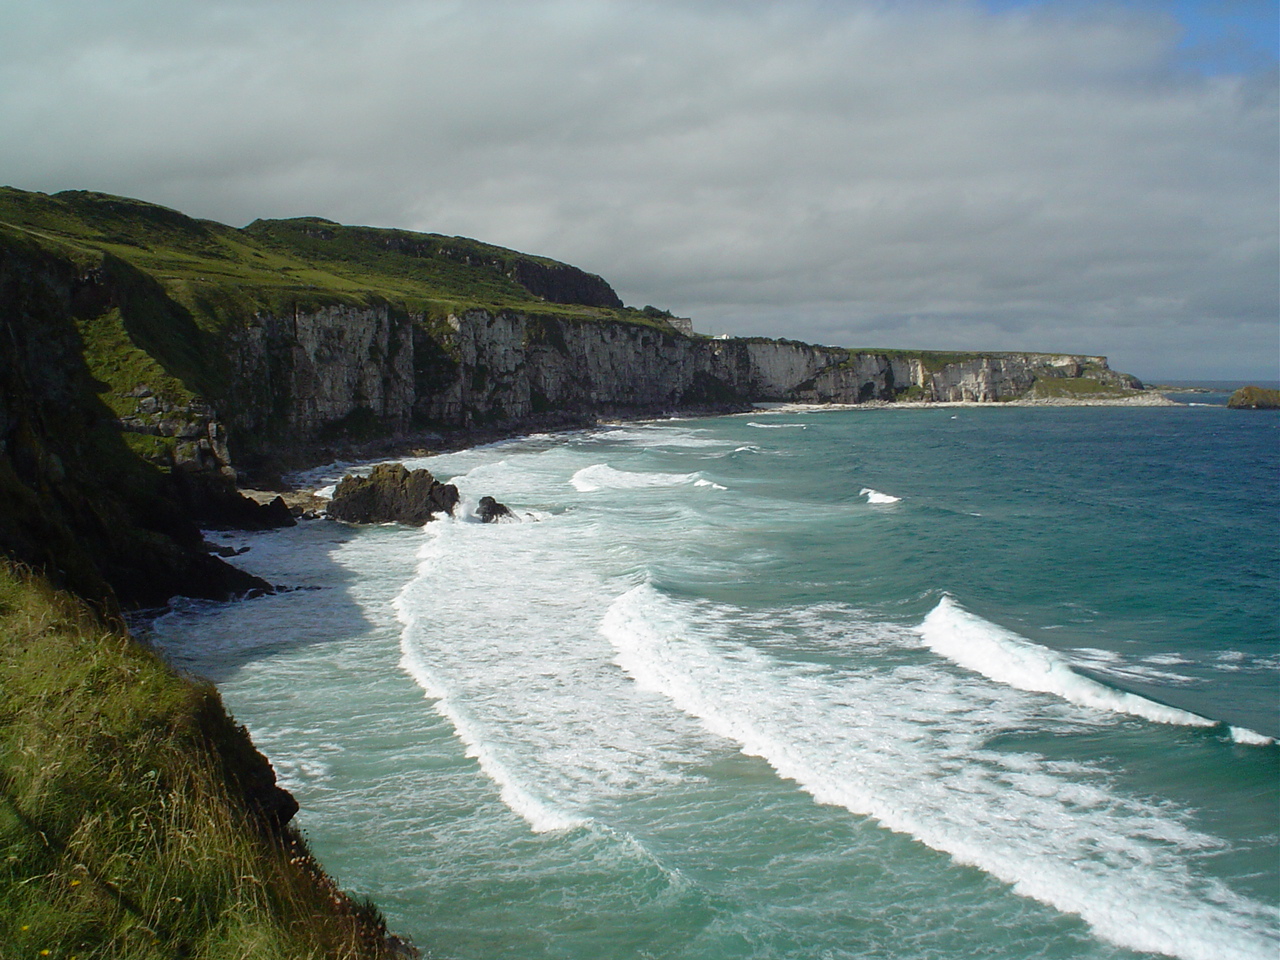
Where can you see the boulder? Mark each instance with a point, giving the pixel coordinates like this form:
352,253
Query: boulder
392,494
491,511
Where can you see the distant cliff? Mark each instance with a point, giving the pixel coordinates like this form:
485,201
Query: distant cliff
217,348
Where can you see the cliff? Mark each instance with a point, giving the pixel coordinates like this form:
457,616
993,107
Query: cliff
76,500
224,349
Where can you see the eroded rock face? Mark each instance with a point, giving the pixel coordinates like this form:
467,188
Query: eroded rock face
392,494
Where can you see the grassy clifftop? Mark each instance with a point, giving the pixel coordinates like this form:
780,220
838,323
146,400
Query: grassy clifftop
219,272
136,820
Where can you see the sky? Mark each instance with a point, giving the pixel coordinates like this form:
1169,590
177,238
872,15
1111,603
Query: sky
1057,175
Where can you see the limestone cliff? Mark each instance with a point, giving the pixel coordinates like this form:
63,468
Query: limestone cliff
221,349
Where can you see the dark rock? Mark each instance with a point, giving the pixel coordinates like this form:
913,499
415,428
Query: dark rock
491,511
392,494
214,502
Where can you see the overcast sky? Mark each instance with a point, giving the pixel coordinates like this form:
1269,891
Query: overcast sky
1064,176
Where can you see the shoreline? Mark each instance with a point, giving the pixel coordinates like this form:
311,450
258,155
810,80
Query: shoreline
1083,418
266,485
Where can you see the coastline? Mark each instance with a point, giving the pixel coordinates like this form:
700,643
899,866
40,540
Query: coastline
884,424
1148,399
428,443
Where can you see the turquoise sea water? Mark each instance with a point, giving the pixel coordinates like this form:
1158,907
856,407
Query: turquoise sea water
926,683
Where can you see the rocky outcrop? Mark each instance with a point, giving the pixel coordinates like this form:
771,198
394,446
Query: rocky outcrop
561,283
392,494
490,510
1255,398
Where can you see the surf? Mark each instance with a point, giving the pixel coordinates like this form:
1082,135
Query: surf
907,745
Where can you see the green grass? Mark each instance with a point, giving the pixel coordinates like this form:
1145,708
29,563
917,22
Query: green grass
123,832
1080,388
222,274
1255,398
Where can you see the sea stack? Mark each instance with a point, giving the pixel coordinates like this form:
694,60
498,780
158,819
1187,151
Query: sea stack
392,494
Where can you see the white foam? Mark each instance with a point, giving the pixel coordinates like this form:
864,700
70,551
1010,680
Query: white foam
601,476
1250,737
661,437
520,672
906,745
541,816
875,496
778,426
1001,655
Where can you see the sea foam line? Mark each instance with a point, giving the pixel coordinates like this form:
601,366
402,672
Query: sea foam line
601,476
1001,655
882,747
541,816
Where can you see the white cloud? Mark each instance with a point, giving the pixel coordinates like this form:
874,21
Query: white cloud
914,174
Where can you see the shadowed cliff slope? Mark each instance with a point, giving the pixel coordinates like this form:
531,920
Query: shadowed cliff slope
76,500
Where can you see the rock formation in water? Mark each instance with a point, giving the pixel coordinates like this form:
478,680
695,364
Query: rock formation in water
392,494
1255,398
490,510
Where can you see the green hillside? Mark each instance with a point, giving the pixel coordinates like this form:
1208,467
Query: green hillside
137,821
217,271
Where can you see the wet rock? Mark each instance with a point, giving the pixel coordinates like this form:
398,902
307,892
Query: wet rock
392,494
491,511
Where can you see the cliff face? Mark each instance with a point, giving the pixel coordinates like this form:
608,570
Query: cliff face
366,371
295,376
984,379
75,499
220,348
509,366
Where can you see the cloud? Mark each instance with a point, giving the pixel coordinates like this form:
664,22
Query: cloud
909,174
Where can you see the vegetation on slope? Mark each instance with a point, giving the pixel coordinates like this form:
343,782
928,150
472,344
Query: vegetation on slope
136,820
1079,388
76,500
1255,398
220,273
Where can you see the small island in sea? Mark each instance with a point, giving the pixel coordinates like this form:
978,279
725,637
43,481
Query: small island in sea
1255,398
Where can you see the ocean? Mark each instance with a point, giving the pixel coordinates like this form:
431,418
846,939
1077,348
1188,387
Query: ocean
948,682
